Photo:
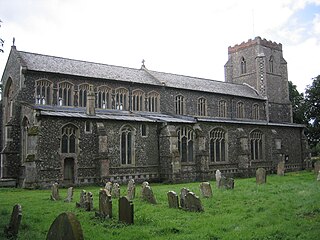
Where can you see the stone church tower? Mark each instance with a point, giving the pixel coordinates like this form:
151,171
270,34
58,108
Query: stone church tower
260,64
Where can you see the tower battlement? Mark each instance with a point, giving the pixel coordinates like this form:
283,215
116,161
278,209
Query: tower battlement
256,41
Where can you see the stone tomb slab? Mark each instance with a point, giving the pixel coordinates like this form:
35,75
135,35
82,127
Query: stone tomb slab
205,189
147,195
12,229
173,199
218,177
69,195
105,204
193,203
83,195
55,192
281,168
131,190
183,194
65,227
261,176
226,183
126,210
115,190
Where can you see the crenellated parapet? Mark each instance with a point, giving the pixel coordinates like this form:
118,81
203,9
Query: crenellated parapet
256,41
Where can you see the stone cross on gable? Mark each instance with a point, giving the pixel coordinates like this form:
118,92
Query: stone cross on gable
143,61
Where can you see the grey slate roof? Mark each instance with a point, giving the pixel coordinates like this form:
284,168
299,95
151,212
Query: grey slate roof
45,63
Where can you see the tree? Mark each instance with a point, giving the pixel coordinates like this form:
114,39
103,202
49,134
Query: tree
1,41
298,104
312,101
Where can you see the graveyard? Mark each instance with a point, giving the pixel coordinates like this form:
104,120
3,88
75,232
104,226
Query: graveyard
267,207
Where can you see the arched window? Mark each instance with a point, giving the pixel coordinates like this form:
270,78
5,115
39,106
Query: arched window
271,60
103,97
83,93
153,101
240,110
256,145
185,144
217,145
8,100
69,139
43,92
222,109
127,145
243,65
179,104
255,111
202,106
65,94
121,99
24,139
138,100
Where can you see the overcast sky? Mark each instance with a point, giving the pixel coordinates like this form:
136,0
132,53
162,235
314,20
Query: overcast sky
187,37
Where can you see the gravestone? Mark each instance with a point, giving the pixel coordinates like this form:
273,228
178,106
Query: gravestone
183,194
226,183
65,227
88,202
126,214
143,185
108,187
281,168
205,189
55,192
318,177
105,204
83,196
11,230
193,203
261,176
173,199
115,190
131,190
147,195
218,177
316,167
69,195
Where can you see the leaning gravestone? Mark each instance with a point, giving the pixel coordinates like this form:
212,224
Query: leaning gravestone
55,192
143,185
11,230
108,187
281,168
316,167
83,196
105,204
126,210
131,190
65,227
193,203
261,176
147,195
226,183
205,189
318,177
218,177
89,202
115,190
69,195
173,199
183,194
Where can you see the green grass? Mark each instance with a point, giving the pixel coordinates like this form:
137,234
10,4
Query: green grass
285,208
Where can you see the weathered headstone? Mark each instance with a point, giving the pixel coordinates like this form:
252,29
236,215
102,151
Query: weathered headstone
69,195
316,167
261,176
105,204
11,230
183,194
126,210
226,183
193,203
115,190
131,190
108,187
218,177
147,195
318,177
89,202
143,185
173,199
55,192
281,168
83,196
205,189
65,227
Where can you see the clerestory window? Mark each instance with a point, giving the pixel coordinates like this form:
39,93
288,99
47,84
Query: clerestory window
103,97
121,99
153,104
83,93
179,105
255,111
43,92
222,109
202,106
138,100
240,110
65,94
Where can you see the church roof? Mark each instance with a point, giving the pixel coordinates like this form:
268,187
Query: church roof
52,64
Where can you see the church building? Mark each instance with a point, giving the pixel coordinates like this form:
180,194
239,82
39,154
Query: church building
77,122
